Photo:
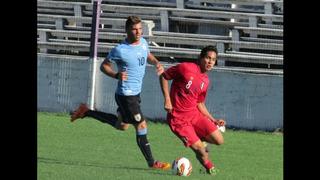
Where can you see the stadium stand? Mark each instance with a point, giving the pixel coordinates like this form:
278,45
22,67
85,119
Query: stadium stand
244,36
261,6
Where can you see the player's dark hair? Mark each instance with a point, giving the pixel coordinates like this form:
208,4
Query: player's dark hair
206,49
132,20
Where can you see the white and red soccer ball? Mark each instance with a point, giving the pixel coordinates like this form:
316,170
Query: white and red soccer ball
181,166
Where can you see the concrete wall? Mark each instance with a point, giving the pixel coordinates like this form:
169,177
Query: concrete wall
245,100
62,83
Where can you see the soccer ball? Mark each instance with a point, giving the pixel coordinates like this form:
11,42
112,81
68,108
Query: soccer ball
181,166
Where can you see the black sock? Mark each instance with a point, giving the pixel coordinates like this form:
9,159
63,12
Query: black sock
103,117
144,146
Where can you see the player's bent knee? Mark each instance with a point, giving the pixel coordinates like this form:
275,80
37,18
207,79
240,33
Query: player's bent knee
141,125
215,138
219,141
122,127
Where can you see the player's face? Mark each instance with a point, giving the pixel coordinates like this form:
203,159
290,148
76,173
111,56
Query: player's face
207,62
134,33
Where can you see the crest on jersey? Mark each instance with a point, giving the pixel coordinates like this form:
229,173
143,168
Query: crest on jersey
144,47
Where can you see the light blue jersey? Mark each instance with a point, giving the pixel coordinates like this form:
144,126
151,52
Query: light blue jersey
133,59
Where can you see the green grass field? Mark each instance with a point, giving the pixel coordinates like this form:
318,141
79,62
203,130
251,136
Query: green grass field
88,149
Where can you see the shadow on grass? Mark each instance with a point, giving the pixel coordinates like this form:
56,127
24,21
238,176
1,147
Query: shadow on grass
99,165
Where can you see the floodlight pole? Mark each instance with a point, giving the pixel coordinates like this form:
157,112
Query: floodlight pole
93,49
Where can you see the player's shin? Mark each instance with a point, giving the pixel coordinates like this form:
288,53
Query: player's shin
144,145
204,160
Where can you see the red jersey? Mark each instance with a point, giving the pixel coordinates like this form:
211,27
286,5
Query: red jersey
189,87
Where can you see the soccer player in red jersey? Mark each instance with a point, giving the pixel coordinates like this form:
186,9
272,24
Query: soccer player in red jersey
187,114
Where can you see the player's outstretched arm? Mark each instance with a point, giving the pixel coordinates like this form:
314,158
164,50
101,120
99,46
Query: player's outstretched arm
165,91
203,109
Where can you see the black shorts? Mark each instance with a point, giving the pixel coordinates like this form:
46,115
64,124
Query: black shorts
129,108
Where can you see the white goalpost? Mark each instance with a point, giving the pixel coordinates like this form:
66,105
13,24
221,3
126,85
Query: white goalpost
93,49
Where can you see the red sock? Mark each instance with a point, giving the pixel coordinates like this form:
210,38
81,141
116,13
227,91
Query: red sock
208,164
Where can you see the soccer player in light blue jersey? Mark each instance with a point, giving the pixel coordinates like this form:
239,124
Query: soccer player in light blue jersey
131,57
